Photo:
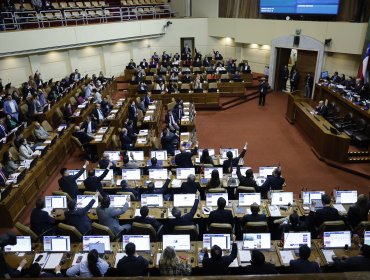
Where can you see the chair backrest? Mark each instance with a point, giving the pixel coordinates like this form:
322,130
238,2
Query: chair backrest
69,198
156,143
45,124
243,189
25,230
77,143
256,227
220,228
98,229
361,124
144,229
332,226
191,230
73,232
171,105
72,100
116,142
140,115
14,152
216,190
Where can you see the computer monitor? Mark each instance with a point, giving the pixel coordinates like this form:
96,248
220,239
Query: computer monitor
324,74
131,174
57,244
183,200
158,174
142,242
75,171
108,177
307,196
211,152
256,241
293,240
345,197
95,239
119,200
337,239
180,242
211,198
247,199
282,198
265,171
137,155
223,152
56,202
113,155
367,238
242,171
24,244
152,200
84,200
221,240
183,173
159,155
208,172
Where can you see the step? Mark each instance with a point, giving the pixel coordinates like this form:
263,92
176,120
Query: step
358,154
364,159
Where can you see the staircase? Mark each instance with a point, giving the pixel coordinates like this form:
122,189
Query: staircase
358,157
248,96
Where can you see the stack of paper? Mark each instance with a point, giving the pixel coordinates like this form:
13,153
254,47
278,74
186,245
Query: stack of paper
328,254
141,140
53,260
176,183
245,256
340,208
274,211
80,257
286,256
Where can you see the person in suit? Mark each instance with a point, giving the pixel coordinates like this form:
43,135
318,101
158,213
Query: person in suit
148,99
168,141
77,217
89,126
127,143
356,263
218,264
130,162
145,219
258,265
291,224
40,133
106,106
183,220
335,78
40,220
67,183
97,114
308,85
154,164
254,217
11,107
184,158
263,86
190,186
231,162
144,64
294,80
125,187
132,265
141,105
107,216
248,179
133,114
321,109
273,182
178,112
303,265
220,215
151,188
205,158
93,183
75,76
3,130
8,163
327,213
131,64
85,139
35,271
217,54
358,212
284,75
171,122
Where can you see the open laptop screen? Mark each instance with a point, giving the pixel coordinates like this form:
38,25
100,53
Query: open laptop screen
57,244
152,200
265,171
159,155
113,155
95,239
56,201
308,195
208,172
108,177
293,240
242,171
75,171
256,241
247,199
221,240
223,152
211,152
142,242
367,238
337,239
345,197
211,198
119,200
137,155
180,242
158,174
183,173
131,174
84,200
23,245
183,200
281,198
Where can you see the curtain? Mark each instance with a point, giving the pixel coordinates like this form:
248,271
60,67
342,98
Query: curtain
226,8
348,10
249,9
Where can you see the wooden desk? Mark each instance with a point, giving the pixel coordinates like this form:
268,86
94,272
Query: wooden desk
101,146
230,89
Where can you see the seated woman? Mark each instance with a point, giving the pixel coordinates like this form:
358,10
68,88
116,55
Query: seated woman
358,212
11,122
92,267
171,265
25,150
9,164
205,158
67,111
215,181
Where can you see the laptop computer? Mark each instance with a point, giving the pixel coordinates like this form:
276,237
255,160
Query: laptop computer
84,200
308,195
108,177
247,199
57,243
345,197
180,242
183,173
75,171
208,172
152,200
337,239
211,198
158,174
223,152
119,200
221,240
23,244
294,240
159,155
137,155
113,155
142,242
56,202
183,200
367,238
261,241
242,171
265,171
95,239
131,174
282,198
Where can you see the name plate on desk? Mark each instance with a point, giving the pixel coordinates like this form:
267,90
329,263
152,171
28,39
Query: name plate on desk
141,140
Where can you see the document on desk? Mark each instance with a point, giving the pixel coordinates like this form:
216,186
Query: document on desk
137,212
286,256
274,211
143,132
79,257
151,107
53,260
47,141
158,257
234,263
245,256
340,208
118,257
328,254
176,183
41,258
147,118
141,140
115,111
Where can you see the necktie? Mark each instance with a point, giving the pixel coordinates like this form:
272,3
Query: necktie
2,175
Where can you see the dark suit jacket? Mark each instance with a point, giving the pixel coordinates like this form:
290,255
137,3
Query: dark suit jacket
322,111
168,143
304,266
183,160
273,183
325,214
187,187
41,221
356,216
253,218
221,216
185,220
263,88
82,137
93,126
228,164
357,263
132,266
68,184
220,266
79,219
148,220
244,181
131,112
126,142
266,268
95,114
93,183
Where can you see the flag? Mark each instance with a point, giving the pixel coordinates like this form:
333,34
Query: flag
362,71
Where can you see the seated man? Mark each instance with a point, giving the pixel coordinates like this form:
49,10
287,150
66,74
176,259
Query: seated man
151,189
184,158
40,132
254,217
130,162
218,264
184,220
93,183
145,219
248,179
220,215
291,223
154,164
273,182
357,263
231,162
125,187
77,217
190,186
85,140
258,265
89,126
41,222
327,213
132,264
108,216
168,141
67,183
171,122
97,114
321,109
303,265
126,142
